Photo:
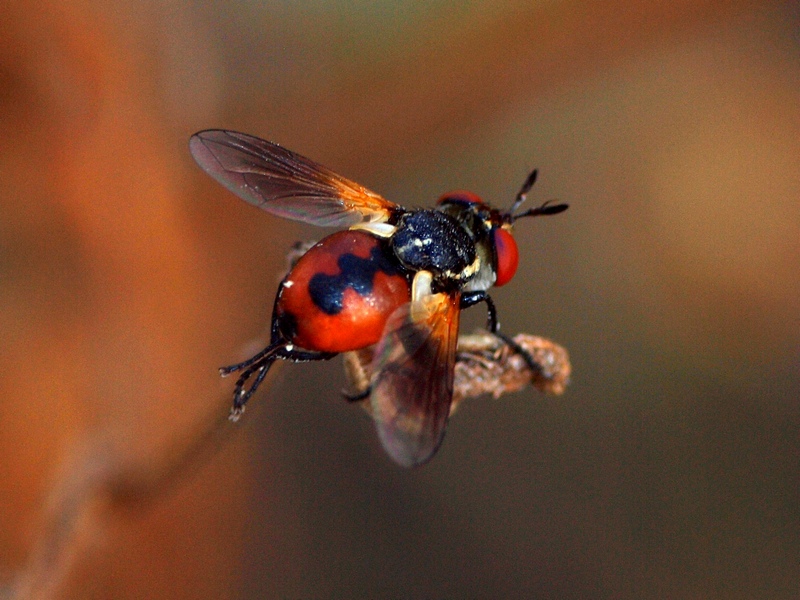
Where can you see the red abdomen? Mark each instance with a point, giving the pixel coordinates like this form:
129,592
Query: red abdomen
340,293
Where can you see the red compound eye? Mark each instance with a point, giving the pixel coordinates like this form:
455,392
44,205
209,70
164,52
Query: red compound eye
461,196
505,248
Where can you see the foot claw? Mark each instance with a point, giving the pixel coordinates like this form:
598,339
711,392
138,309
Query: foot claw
236,412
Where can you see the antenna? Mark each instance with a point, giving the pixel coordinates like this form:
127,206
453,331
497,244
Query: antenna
545,209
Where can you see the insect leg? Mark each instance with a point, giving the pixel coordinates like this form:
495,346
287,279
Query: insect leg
242,395
472,298
271,349
260,365
289,353
535,367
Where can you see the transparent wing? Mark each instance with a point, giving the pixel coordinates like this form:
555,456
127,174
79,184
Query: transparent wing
284,183
412,385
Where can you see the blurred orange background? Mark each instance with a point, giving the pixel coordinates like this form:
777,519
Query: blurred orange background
669,469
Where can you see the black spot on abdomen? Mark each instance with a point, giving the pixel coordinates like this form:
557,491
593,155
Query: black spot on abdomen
327,291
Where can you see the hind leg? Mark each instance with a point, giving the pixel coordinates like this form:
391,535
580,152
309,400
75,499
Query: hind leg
259,366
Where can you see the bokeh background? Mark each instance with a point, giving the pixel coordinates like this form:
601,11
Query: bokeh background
669,469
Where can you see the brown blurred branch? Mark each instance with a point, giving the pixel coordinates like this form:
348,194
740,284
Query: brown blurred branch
98,485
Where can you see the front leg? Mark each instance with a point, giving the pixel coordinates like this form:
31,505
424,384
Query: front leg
472,298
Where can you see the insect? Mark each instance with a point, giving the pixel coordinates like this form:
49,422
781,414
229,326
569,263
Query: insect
396,278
